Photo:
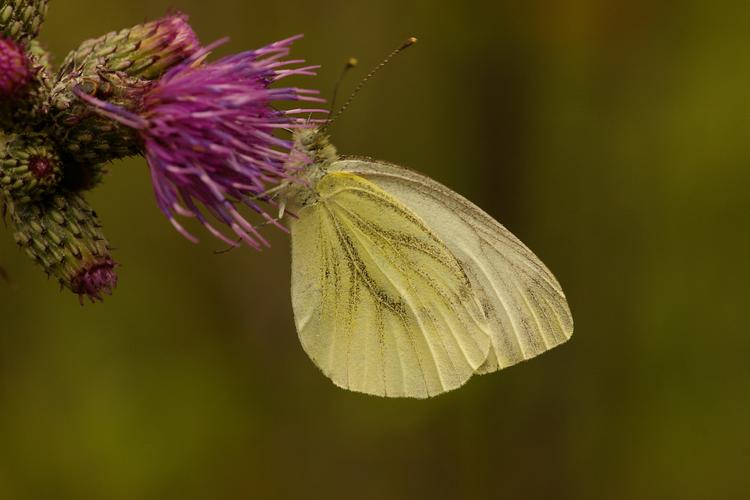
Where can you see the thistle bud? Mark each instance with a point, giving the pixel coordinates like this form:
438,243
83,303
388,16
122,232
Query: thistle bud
21,19
64,236
146,51
117,68
29,166
15,69
25,82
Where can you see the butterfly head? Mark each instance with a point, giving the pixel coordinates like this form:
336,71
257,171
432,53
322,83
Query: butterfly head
313,143
310,157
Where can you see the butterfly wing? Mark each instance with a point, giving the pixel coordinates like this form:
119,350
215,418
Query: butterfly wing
380,304
524,303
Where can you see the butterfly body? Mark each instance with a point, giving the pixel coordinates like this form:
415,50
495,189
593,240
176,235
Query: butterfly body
403,288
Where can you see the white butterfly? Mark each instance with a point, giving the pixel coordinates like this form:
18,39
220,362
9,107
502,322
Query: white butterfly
402,287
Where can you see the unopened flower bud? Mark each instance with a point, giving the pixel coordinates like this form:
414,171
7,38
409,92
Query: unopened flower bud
25,83
15,69
64,236
29,166
146,50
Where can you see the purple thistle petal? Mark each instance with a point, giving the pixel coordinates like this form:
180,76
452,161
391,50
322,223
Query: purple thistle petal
208,132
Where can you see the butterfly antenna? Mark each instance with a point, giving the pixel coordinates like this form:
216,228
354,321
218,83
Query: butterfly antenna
408,43
351,63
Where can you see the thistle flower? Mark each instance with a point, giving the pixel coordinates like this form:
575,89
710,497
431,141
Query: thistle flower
117,68
29,166
64,236
21,19
208,135
15,69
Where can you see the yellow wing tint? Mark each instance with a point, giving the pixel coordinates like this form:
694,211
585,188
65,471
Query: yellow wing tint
525,306
381,305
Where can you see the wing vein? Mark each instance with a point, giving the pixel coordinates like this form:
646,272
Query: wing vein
363,274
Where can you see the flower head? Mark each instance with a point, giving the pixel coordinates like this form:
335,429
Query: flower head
63,235
15,69
208,133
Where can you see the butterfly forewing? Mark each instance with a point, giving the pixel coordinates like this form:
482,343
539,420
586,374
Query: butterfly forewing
526,308
382,306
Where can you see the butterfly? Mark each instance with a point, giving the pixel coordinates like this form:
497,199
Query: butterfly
403,288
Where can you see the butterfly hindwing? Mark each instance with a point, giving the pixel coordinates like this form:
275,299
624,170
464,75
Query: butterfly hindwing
381,304
525,305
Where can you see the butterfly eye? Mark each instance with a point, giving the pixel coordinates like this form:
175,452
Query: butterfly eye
307,137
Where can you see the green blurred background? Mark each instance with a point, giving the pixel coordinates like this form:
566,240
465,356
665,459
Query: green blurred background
613,137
